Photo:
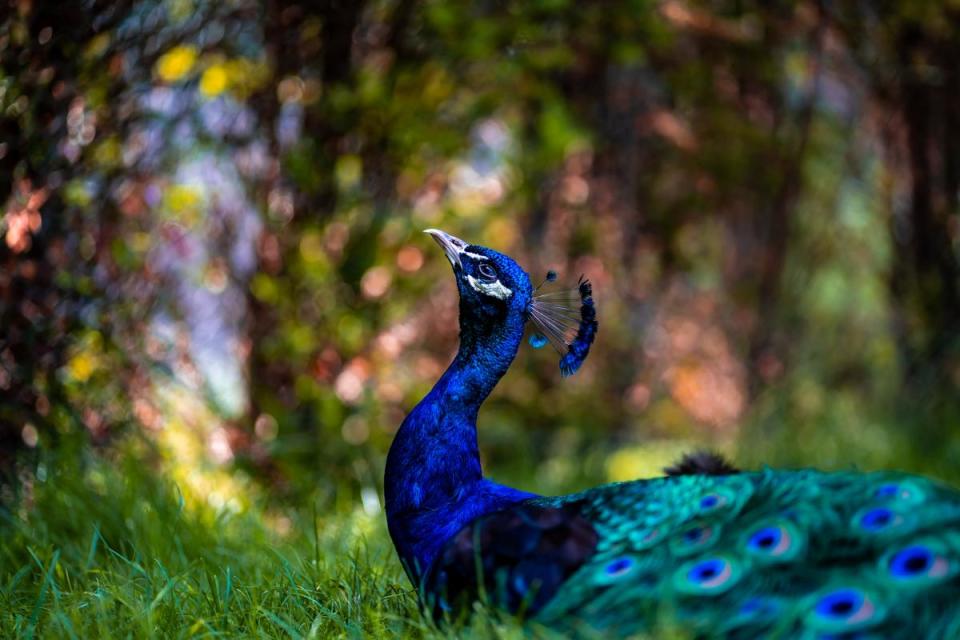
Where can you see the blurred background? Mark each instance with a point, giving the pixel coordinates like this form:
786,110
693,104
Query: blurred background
212,261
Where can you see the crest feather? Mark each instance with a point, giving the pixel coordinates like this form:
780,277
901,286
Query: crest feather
570,330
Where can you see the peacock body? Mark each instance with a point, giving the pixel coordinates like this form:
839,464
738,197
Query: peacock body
708,550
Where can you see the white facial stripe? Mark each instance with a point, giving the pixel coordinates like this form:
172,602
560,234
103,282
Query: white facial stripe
475,256
494,289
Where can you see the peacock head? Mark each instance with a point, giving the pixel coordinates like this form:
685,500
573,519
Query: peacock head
493,288
495,292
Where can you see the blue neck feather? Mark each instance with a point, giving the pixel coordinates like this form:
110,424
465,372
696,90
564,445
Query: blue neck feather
434,485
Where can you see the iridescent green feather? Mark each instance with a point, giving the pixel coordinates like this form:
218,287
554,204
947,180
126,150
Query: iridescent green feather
780,554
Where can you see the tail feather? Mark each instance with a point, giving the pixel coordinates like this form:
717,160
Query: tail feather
725,554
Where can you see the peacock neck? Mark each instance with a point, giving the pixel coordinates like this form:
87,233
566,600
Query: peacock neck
434,484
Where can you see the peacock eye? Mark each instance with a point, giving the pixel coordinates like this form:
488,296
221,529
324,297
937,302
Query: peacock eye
487,272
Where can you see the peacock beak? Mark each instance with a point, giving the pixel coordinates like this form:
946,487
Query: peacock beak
451,245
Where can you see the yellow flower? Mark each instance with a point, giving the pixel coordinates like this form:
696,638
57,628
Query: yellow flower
176,63
214,81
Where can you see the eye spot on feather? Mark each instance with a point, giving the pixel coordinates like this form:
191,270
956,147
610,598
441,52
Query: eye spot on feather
844,609
774,542
712,502
705,572
879,519
625,567
876,519
918,562
889,490
766,539
911,561
905,491
693,539
619,567
838,606
707,577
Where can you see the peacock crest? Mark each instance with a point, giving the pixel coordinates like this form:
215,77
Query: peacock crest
567,319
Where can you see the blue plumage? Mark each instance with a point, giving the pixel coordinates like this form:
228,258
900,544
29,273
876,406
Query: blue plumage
433,484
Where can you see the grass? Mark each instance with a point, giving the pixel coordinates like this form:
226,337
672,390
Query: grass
109,550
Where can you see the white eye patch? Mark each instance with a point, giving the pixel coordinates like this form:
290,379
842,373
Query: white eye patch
494,289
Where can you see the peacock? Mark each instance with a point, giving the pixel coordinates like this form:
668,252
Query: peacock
708,550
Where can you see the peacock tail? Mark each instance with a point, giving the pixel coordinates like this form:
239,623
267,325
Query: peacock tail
708,551
768,554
